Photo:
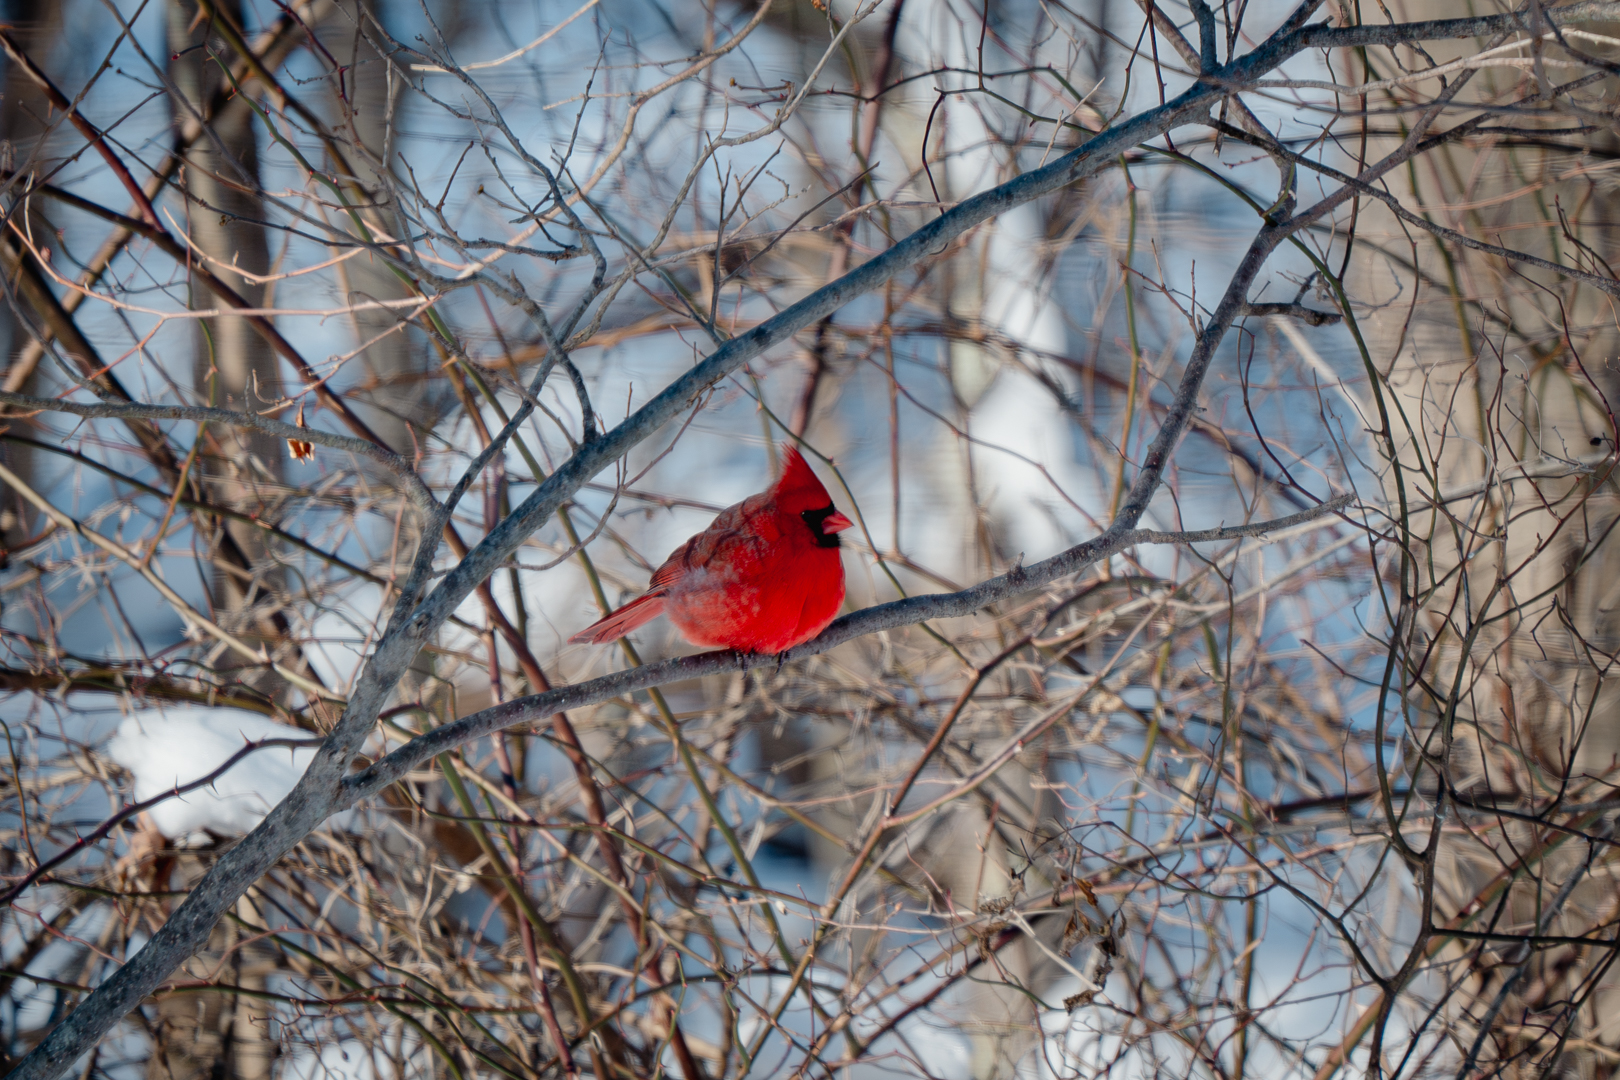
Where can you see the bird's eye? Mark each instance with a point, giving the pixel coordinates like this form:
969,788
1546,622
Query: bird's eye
815,519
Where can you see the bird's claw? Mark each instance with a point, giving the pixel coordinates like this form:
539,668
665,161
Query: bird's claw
781,658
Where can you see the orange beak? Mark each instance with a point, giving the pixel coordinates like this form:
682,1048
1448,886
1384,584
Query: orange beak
835,523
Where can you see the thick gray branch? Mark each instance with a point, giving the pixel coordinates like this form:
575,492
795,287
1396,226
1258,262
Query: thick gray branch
1323,36
1206,34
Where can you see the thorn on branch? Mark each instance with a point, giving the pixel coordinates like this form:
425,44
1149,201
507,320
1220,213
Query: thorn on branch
1296,311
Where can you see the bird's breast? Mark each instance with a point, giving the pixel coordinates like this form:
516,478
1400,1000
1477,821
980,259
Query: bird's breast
763,597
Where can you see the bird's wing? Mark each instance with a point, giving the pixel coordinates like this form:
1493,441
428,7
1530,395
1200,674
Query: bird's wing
727,542
674,567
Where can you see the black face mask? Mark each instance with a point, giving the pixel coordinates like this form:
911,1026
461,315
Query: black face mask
815,519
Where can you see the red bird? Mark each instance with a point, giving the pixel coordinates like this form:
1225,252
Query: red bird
764,577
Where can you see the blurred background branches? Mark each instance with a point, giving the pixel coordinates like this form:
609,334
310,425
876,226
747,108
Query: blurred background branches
1227,386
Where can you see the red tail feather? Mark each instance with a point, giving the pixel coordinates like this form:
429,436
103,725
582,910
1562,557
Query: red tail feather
641,610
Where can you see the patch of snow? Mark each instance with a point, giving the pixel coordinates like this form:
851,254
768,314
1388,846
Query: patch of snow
166,747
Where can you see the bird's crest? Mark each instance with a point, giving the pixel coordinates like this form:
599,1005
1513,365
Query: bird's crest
798,483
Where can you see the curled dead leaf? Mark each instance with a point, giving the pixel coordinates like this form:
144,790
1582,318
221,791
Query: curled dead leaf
301,449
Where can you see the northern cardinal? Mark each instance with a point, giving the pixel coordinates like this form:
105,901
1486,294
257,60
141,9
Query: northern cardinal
763,577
